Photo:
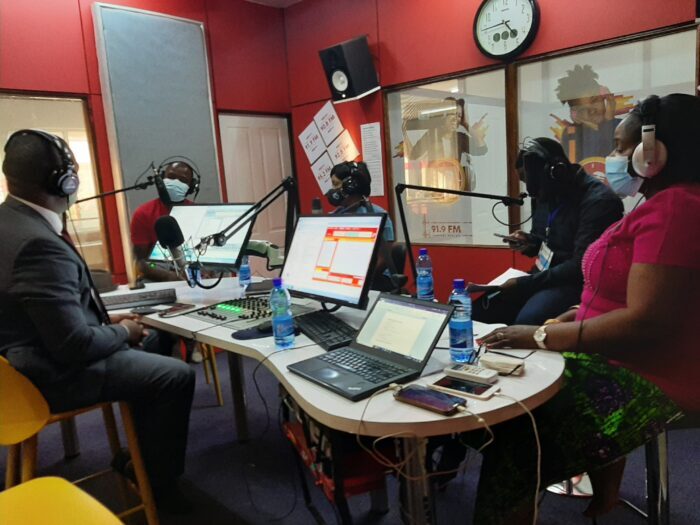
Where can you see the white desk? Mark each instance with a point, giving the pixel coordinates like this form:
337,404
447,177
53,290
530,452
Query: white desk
382,414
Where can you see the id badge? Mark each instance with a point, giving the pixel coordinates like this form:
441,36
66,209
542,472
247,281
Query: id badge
544,257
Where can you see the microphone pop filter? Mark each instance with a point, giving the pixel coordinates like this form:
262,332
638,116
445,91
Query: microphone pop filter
168,232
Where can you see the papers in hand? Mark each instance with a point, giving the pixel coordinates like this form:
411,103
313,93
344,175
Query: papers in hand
496,283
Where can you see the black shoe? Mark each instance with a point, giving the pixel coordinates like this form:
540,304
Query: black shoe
121,462
170,499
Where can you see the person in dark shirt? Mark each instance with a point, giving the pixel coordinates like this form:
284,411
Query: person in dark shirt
571,209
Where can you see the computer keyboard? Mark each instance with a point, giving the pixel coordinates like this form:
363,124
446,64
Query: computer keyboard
369,369
325,329
134,299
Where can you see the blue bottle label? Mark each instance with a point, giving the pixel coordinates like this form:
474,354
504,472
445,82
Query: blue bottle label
283,330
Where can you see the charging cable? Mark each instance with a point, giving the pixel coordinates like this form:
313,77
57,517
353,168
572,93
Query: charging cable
539,452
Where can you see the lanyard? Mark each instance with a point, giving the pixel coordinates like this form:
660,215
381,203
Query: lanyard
550,219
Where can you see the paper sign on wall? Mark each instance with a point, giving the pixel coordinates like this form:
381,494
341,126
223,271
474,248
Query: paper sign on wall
322,172
328,123
343,149
372,156
312,142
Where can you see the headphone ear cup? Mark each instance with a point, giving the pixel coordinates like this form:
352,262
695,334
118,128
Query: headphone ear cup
649,169
558,172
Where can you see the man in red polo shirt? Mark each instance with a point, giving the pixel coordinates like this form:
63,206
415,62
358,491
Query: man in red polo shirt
179,181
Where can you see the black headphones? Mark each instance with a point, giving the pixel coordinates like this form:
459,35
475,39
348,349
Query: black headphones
196,177
356,180
555,167
63,180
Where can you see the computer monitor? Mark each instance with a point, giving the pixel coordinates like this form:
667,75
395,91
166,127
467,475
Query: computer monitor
332,257
200,220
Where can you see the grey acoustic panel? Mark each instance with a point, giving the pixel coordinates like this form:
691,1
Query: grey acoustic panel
156,88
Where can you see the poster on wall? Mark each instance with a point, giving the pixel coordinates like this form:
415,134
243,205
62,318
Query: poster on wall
450,135
328,123
343,149
311,142
372,156
322,172
579,99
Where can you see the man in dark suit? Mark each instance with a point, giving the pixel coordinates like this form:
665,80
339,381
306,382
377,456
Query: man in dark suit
54,328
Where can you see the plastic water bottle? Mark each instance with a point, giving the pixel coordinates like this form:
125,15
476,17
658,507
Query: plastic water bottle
244,272
282,323
424,281
461,326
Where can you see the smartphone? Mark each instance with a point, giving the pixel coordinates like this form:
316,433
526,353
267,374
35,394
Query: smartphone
509,238
432,400
461,387
176,309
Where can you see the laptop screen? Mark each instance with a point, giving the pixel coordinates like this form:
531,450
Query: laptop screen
402,327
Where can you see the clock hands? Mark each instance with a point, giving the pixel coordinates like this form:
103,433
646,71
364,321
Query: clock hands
496,25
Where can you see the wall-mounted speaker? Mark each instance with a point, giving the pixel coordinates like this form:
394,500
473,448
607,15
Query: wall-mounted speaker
349,70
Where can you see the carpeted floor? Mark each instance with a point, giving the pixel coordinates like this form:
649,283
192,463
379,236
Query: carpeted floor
257,482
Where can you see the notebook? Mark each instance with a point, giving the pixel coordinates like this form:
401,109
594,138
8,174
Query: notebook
393,345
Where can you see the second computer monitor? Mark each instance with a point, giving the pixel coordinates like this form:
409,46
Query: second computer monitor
332,257
200,220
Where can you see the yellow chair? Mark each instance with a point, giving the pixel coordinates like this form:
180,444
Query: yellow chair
52,501
24,412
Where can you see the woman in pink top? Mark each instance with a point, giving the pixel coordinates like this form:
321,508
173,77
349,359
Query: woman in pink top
631,350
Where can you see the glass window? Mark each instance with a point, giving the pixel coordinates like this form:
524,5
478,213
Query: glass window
450,134
66,118
579,99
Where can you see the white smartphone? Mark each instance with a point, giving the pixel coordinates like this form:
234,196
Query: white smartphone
460,387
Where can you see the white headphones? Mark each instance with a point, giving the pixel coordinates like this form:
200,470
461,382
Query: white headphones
651,155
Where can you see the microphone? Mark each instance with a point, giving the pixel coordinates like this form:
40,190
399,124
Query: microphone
162,191
170,237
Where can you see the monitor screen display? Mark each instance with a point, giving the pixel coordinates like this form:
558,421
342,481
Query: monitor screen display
332,257
199,220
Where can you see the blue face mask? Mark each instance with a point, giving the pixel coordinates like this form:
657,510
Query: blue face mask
621,182
176,189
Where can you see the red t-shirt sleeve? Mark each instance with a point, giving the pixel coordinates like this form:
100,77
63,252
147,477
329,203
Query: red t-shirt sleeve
141,235
668,230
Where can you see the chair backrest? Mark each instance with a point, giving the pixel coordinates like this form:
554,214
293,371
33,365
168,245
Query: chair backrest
23,410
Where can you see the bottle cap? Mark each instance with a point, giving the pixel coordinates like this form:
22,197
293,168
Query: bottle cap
458,284
423,251
277,282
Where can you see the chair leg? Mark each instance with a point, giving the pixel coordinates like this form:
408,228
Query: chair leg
111,428
139,467
13,462
657,480
69,434
29,451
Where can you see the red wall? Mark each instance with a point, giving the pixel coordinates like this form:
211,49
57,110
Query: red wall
415,40
49,47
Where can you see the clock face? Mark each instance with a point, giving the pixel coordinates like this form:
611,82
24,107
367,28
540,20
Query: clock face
505,28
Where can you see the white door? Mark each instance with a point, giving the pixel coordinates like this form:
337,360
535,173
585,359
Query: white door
257,158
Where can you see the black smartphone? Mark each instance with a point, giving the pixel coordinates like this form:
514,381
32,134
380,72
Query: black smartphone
509,238
432,400
176,309
143,310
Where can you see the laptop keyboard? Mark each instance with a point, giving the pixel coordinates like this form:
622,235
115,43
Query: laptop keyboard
369,369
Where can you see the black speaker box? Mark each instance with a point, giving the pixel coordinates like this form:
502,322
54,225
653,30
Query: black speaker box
349,69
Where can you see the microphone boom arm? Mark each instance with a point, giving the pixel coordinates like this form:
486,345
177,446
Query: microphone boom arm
150,181
400,188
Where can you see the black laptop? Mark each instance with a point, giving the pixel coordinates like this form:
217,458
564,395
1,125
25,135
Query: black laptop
393,345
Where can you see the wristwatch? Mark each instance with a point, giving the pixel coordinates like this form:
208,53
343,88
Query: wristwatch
539,336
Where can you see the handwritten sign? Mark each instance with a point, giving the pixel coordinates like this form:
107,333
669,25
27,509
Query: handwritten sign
322,172
328,123
343,148
312,142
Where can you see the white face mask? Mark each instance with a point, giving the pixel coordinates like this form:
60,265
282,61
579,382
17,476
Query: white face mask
621,182
176,189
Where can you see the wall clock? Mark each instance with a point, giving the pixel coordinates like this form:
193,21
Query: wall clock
505,28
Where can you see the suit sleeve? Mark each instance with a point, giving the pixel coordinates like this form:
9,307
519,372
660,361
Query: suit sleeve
46,282
595,217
